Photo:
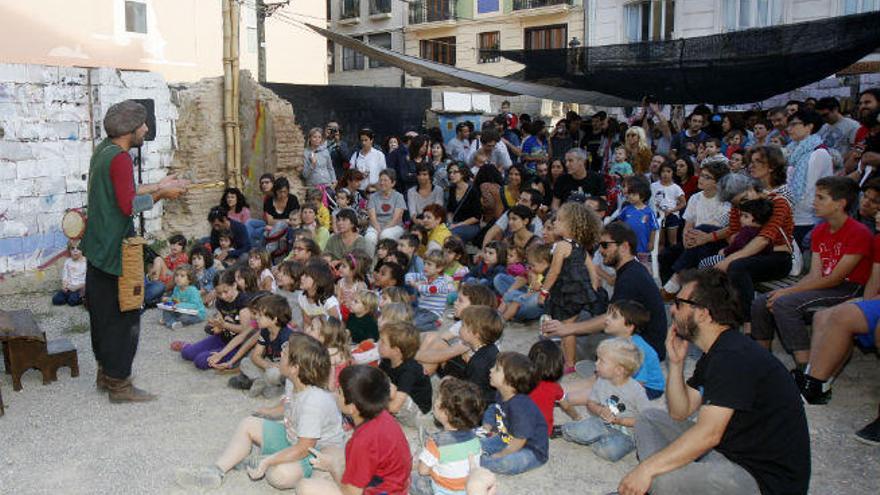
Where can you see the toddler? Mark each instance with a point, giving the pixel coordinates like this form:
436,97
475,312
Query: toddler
491,265
433,289
518,440
185,306
361,321
353,269
309,219
753,215
615,402
163,268
443,462
638,215
411,388
520,301
409,245
311,423
203,267
224,241
318,299
619,166
669,199
73,278
481,328
546,358
288,275
331,333
258,260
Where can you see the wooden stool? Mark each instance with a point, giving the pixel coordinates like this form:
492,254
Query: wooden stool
25,347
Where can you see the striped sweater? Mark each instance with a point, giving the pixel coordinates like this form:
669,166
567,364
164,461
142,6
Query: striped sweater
446,453
432,293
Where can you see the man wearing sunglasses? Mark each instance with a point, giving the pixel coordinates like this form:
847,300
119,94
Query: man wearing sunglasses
750,433
633,282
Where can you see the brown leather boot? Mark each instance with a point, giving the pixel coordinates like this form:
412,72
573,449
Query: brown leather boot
122,391
101,380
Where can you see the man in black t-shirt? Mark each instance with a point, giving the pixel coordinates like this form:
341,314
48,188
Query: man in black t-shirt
578,179
751,431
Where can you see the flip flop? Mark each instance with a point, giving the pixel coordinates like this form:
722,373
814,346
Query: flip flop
178,345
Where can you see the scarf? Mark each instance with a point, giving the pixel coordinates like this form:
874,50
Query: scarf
799,158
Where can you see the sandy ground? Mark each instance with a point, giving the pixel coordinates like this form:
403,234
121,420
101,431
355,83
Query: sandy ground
67,438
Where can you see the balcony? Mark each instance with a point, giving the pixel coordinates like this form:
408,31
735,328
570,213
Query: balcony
427,11
537,4
350,11
380,9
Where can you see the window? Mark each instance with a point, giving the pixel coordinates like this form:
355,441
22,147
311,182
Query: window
136,17
252,40
649,20
489,41
744,14
331,57
380,7
440,50
349,9
486,6
351,59
546,37
382,40
860,6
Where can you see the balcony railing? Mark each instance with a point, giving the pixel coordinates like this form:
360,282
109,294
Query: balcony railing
535,4
350,9
380,7
422,11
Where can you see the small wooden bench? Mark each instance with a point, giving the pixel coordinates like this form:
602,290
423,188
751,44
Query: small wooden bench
25,347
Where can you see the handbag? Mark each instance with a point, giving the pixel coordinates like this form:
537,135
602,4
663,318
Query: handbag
131,282
797,257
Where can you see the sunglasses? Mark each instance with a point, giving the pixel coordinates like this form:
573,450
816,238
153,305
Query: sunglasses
605,244
678,301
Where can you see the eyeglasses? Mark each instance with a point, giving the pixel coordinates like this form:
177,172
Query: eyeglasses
605,244
299,248
794,123
679,301
707,177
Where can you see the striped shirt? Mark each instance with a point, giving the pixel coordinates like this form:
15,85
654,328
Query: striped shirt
446,453
781,218
432,293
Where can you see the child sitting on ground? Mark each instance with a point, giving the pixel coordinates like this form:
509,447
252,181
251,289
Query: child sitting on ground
481,328
203,267
288,275
753,214
259,372
377,457
520,301
493,263
454,252
383,249
185,297
258,260
638,215
312,422
519,441
443,463
546,358
409,245
224,241
318,299
615,402
445,349
162,269
361,321
433,289
411,388
353,269
625,319
331,333
73,278
388,275
227,330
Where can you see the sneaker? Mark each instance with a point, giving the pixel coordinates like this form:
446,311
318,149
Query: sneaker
870,434
557,431
205,477
569,370
813,391
176,325
240,382
178,345
257,387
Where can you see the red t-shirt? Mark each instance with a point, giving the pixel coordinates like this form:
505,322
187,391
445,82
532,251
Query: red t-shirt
851,238
377,458
545,396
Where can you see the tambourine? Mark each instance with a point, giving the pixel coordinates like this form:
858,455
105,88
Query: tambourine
73,224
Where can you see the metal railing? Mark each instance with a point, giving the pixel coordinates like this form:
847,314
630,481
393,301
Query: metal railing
350,9
380,7
535,4
422,11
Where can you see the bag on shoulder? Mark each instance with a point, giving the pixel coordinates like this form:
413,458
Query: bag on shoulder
797,257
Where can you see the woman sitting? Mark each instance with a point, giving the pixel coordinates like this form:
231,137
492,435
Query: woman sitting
385,208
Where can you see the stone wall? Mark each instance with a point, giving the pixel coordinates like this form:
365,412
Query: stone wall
50,118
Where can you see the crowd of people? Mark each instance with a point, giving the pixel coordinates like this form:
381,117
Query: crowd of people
338,304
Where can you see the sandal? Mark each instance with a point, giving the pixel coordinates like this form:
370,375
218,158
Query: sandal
178,345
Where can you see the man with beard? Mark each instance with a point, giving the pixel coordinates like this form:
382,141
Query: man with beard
750,434
113,200
633,282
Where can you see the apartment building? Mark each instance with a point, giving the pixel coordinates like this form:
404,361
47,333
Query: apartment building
377,22
180,39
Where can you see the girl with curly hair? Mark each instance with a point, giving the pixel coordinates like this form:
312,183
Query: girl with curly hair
568,289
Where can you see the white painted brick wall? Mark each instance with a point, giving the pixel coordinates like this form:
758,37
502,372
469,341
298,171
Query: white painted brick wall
45,149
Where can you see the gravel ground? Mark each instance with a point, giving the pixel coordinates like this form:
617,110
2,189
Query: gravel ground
67,438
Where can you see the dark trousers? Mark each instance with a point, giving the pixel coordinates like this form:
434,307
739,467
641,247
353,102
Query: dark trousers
114,333
745,273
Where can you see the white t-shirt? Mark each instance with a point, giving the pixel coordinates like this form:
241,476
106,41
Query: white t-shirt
707,211
313,413
370,165
820,166
74,272
599,261
313,309
665,198
631,394
536,226
266,273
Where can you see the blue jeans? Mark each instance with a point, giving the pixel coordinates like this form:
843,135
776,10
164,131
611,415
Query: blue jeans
529,309
467,233
606,442
425,321
71,298
153,291
169,317
255,228
516,463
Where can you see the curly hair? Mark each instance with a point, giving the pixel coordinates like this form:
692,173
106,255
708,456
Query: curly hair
582,222
462,402
776,162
